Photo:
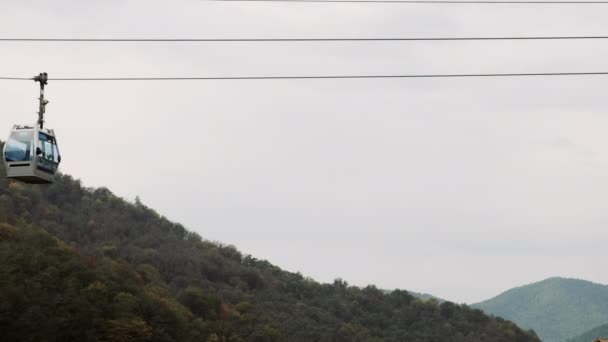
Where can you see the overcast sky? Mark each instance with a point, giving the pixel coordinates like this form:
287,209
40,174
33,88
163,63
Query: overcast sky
461,188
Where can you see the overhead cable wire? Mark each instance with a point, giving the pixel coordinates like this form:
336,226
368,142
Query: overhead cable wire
335,39
319,77
422,2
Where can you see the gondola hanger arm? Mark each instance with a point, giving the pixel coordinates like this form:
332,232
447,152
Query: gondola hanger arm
43,79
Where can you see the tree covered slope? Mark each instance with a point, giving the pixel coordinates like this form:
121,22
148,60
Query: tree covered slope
50,292
81,264
556,308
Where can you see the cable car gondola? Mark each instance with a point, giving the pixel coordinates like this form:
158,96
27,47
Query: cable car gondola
30,153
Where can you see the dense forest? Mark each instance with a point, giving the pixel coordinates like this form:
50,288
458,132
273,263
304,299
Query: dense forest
556,308
81,264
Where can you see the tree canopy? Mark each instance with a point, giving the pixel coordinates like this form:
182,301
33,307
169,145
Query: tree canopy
83,264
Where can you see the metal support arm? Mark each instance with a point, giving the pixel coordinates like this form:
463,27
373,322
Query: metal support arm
43,79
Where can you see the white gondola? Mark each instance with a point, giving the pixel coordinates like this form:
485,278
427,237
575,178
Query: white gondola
30,153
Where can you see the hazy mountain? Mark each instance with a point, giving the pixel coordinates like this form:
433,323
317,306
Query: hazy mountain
556,308
81,264
426,296
423,296
592,335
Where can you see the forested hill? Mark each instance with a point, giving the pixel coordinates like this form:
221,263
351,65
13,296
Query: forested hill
556,308
81,264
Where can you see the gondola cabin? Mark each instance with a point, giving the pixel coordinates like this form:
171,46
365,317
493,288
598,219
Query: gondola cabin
31,155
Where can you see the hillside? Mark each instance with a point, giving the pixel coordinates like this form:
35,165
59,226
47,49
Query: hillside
592,335
95,267
556,308
50,292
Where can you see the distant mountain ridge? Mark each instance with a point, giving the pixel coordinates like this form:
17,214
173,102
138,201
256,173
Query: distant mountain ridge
591,335
556,308
426,296
422,296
